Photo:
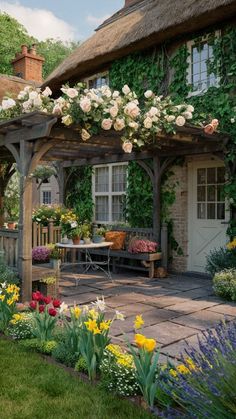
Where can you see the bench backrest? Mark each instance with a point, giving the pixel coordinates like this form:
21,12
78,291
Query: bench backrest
141,233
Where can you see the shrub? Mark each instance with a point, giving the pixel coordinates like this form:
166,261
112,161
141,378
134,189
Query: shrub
220,259
208,389
45,347
41,254
81,365
20,326
62,353
8,275
117,372
224,284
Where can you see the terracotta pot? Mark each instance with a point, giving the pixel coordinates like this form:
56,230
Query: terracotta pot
11,226
76,240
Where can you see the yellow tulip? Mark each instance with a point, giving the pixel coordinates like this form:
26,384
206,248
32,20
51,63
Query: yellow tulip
139,340
149,345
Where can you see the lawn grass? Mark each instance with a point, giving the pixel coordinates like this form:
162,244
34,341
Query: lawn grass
31,388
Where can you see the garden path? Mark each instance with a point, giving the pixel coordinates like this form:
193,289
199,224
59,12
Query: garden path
175,309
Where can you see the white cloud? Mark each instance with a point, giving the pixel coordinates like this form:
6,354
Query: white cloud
40,23
96,21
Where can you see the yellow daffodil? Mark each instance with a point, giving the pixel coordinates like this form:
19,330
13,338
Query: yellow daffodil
139,340
149,345
91,325
96,331
2,297
231,245
105,325
139,322
182,369
93,313
76,311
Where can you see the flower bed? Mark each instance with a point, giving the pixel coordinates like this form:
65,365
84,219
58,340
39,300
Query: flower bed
79,337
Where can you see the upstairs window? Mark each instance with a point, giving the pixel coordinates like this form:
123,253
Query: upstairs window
46,197
200,56
97,81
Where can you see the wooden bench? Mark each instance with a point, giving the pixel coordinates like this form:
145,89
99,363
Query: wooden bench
125,259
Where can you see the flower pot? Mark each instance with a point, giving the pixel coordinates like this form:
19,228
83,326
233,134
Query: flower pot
87,240
11,225
76,240
55,264
98,239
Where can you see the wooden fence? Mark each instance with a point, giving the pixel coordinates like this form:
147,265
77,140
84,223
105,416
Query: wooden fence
41,237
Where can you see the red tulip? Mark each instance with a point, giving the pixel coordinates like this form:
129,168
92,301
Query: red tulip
41,308
37,296
56,303
47,300
52,312
33,305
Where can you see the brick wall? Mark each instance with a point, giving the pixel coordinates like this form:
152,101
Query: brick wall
179,214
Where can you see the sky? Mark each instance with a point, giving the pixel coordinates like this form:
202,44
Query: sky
68,20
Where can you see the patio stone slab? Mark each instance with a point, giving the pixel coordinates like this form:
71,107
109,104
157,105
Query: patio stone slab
80,298
166,301
133,309
191,306
201,320
176,349
166,333
74,290
227,309
198,293
124,299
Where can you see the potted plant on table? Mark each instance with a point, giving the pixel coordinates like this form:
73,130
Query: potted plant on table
86,233
75,234
55,256
99,235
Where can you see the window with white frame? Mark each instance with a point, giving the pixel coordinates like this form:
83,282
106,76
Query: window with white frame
109,192
97,81
46,197
200,56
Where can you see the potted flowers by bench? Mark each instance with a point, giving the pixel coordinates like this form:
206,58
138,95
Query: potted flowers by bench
99,235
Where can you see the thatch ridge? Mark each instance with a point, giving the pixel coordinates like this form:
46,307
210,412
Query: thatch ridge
152,23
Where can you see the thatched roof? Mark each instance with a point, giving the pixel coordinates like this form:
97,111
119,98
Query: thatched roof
11,85
147,23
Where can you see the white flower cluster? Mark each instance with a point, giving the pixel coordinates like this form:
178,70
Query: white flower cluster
93,110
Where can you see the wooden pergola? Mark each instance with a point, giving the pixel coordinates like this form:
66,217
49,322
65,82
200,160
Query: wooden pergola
37,136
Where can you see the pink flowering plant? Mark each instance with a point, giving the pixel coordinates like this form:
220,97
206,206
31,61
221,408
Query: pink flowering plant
142,246
41,254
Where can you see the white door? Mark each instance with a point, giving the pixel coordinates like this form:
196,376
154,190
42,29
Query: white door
208,214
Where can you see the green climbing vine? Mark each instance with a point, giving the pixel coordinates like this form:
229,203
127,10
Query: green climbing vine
166,74
79,192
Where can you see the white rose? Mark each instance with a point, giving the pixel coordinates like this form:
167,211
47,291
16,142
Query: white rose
180,121
170,118
153,112
126,90
85,104
147,123
27,104
133,125
119,124
37,102
106,91
72,93
47,92
116,94
232,120
61,100
113,111
132,110
106,124
187,115
33,95
57,110
190,108
28,89
22,95
85,135
8,103
148,94
67,120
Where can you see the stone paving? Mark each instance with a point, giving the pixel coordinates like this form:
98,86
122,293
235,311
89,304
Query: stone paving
175,309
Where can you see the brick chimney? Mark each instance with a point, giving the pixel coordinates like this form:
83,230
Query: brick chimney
28,65
130,2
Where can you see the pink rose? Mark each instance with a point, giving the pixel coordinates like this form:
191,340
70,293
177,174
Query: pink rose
85,104
209,129
106,124
132,110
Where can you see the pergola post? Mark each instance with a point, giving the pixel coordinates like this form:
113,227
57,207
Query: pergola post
61,181
156,197
6,171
